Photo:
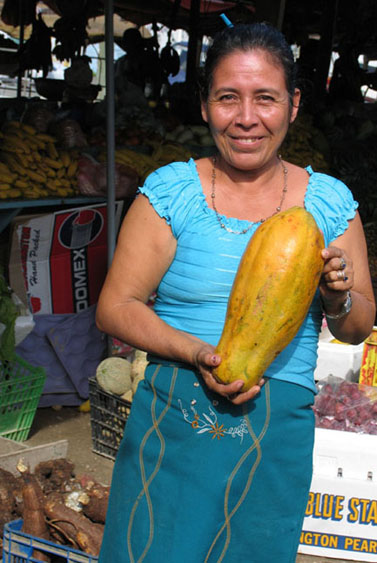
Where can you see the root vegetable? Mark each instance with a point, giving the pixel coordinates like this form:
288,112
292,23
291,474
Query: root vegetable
34,522
10,500
8,483
95,501
54,474
74,525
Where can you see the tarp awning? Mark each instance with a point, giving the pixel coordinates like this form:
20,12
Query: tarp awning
145,12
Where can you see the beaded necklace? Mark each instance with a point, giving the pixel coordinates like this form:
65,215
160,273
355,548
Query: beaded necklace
277,209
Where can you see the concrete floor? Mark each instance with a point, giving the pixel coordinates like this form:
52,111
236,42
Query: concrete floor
50,425
69,423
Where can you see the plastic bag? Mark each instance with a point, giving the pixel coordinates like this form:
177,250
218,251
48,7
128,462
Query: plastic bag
92,178
345,405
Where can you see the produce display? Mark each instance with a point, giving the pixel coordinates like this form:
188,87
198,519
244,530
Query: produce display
346,405
110,394
196,135
114,375
351,132
121,376
92,178
60,160
55,505
272,292
32,166
161,153
306,145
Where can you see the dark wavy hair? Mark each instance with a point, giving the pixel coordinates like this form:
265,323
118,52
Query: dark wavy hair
246,37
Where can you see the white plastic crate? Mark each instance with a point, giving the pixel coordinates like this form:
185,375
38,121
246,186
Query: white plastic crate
334,358
341,515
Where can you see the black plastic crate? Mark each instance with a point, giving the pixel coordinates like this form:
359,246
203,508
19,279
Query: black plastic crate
108,417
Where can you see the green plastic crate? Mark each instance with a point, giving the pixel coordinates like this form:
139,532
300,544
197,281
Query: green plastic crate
21,386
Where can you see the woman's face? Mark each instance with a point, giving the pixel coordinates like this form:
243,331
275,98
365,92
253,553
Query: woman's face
248,108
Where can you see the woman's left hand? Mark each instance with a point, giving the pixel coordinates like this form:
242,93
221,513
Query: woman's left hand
337,277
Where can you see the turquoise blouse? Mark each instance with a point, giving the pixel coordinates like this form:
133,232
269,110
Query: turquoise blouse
193,294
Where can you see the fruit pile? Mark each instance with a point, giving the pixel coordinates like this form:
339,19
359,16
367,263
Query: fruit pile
32,166
344,405
161,153
306,145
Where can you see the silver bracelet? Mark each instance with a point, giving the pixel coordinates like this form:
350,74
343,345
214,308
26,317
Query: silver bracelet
346,308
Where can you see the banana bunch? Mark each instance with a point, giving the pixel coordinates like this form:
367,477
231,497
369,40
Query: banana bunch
170,151
32,167
141,163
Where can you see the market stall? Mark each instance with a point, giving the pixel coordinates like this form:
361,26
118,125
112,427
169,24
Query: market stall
74,162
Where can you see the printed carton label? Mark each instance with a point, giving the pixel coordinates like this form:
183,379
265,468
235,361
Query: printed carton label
64,258
341,519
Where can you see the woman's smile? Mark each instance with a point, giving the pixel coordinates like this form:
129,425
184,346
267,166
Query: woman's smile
246,141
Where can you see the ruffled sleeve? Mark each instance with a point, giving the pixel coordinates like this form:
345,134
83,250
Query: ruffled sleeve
331,203
175,193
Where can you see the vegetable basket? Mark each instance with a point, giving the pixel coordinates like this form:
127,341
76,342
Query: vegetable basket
21,386
18,547
108,417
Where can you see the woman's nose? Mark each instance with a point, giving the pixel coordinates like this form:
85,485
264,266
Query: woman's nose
247,114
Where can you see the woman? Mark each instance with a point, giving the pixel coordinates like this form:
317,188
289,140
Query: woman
207,472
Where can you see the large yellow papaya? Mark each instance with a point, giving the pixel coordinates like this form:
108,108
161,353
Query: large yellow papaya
271,295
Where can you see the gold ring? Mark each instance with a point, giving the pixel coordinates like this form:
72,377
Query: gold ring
340,274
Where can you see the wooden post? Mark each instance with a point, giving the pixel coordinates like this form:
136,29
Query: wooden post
20,73
194,42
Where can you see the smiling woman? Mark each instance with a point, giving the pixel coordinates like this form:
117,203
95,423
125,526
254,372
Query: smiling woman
249,116
208,471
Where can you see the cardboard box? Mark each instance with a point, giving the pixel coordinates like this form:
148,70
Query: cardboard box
341,515
368,370
58,261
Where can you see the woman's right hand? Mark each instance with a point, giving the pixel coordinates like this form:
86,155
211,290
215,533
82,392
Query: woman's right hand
205,361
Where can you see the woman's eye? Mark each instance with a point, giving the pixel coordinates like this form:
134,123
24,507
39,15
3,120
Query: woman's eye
227,98
265,98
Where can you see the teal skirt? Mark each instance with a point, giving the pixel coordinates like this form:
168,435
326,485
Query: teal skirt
200,480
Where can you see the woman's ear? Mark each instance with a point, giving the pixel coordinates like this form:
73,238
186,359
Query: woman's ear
203,106
295,104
